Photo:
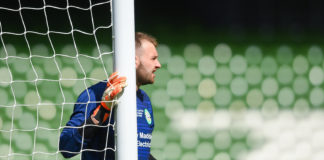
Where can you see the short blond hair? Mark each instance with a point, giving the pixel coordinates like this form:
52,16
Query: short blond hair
139,36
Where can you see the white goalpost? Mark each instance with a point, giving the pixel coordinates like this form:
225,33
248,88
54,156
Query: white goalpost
124,46
50,51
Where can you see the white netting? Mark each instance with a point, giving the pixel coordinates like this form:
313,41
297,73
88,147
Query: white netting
50,51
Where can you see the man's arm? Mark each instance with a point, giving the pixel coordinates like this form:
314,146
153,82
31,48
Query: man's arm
71,138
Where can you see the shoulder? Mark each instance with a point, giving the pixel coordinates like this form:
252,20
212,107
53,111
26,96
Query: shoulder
93,92
98,86
142,94
144,99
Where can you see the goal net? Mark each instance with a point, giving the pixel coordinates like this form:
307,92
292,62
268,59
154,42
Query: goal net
50,51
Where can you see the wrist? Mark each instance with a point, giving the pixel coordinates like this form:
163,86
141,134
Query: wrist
100,115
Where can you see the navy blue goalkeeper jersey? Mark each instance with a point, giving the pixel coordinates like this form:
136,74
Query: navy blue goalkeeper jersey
101,146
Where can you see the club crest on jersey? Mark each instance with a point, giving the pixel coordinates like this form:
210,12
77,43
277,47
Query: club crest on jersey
148,116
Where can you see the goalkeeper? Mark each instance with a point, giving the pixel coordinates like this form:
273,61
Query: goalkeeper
96,139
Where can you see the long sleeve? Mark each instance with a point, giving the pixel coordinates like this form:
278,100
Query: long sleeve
71,142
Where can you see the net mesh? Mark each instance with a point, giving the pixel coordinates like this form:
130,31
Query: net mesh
50,52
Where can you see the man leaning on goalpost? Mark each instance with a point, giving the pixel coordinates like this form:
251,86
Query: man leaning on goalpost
94,139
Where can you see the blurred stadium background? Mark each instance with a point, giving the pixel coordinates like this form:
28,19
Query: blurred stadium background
239,80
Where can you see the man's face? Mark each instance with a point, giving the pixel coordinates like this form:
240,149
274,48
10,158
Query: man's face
146,63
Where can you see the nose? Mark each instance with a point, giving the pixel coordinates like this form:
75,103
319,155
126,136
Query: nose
158,64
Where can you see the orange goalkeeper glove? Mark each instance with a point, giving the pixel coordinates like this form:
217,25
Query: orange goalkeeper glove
115,86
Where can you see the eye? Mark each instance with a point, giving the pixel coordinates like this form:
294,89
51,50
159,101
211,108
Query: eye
154,58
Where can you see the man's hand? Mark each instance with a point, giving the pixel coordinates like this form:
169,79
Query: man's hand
115,86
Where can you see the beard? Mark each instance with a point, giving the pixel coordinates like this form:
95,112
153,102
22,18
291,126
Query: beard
144,76
145,79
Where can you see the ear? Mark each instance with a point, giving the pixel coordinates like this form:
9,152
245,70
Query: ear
137,61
